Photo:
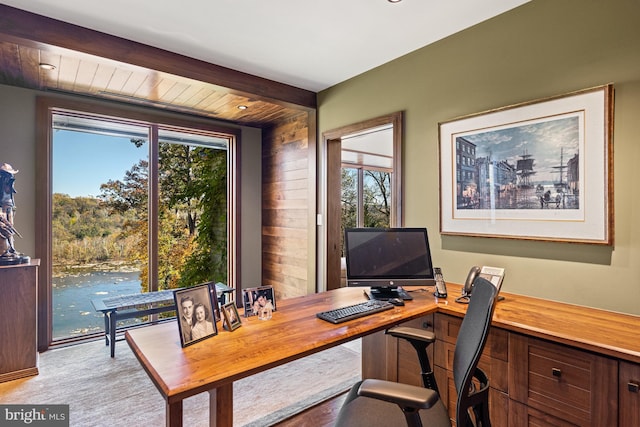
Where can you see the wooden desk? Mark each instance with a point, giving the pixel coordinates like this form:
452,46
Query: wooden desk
604,332
293,332
549,363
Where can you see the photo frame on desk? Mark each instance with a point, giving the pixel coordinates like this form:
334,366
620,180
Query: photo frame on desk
231,316
196,314
255,299
538,170
215,301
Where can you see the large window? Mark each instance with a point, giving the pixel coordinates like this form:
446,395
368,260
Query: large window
136,206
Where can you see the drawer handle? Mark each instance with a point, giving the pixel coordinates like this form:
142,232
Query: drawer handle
633,387
556,372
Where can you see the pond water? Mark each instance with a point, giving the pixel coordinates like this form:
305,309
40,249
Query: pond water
73,313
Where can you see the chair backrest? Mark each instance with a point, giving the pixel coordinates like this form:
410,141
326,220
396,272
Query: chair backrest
471,340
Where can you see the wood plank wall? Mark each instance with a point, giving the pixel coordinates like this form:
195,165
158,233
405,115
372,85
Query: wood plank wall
288,206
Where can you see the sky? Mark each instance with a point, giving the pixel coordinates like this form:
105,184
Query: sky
541,139
82,161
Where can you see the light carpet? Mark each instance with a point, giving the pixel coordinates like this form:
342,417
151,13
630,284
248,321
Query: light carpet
102,391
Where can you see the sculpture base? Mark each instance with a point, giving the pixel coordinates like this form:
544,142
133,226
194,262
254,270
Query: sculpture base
14,259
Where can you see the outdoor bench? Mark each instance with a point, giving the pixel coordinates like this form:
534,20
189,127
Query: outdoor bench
138,305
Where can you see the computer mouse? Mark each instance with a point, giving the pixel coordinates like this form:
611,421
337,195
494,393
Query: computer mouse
396,301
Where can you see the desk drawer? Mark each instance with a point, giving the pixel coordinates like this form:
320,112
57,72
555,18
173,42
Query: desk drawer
629,394
495,356
447,328
567,383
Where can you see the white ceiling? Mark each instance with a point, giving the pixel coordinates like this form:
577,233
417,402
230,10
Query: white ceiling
310,44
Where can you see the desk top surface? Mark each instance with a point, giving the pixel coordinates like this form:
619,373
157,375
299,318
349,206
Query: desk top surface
294,332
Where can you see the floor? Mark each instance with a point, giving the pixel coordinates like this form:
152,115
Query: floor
102,391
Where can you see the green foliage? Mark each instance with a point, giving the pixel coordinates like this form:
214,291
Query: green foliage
208,191
376,199
191,211
84,231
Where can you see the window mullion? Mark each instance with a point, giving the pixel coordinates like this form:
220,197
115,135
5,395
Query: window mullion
153,207
360,197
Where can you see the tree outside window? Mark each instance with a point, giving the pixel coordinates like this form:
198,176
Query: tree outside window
101,242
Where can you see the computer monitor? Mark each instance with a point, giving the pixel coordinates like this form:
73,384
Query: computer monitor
388,258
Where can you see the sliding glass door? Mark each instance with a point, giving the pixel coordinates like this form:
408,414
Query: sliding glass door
136,206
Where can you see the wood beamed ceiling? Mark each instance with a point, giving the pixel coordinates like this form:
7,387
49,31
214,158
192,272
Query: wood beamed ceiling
147,76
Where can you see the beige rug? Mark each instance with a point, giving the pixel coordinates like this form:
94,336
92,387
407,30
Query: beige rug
102,391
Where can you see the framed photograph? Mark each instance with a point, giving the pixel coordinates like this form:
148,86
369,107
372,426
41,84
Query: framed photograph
258,301
540,170
231,317
216,303
196,314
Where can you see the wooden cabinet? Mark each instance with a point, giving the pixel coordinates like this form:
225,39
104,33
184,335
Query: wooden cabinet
393,359
629,394
494,362
18,347
548,363
533,382
574,386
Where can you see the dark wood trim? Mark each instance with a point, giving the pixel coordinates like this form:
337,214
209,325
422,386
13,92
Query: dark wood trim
38,30
233,220
312,186
334,213
397,213
43,232
153,211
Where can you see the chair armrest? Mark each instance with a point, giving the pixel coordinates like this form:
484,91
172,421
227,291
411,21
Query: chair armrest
412,334
401,394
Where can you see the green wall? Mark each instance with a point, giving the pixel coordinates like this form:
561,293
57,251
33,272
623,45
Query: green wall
543,48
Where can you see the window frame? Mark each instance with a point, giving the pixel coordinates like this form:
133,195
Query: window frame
45,107
329,238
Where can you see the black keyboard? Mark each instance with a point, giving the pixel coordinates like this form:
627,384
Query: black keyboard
355,311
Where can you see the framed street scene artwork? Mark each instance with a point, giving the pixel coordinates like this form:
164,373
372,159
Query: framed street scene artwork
196,314
540,170
259,302
231,317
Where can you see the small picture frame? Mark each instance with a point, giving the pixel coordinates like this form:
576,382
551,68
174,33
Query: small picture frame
231,316
196,314
258,300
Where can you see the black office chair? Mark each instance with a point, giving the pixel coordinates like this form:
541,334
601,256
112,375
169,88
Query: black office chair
378,403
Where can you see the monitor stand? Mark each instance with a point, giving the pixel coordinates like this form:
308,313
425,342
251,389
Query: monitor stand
386,293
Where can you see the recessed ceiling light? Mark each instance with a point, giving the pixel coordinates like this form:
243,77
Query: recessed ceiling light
394,1
45,66
242,107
